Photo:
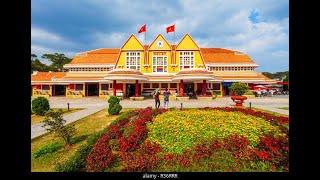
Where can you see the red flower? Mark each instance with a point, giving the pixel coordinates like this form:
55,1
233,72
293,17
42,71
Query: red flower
100,156
263,155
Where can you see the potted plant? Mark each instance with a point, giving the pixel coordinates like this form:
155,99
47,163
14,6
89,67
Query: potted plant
239,89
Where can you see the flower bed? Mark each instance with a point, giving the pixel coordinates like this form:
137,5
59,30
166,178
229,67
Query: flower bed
207,139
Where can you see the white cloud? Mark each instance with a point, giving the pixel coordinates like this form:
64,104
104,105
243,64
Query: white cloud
38,34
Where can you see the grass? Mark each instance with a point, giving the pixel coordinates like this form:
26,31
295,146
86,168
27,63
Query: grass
85,127
271,112
38,119
284,108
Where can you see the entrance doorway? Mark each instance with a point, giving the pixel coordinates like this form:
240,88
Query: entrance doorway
189,90
93,89
226,90
130,90
58,90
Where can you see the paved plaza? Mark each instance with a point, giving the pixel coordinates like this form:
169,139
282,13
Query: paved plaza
94,104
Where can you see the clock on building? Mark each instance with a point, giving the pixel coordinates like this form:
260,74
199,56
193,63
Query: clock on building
160,44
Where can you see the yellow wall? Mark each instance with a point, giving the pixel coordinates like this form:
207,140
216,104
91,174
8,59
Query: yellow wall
42,93
132,44
186,44
83,92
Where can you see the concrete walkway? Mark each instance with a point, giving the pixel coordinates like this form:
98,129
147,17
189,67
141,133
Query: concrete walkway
37,129
94,104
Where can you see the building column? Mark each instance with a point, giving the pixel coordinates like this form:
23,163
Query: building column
114,87
137,88
181,87
221,89
204,88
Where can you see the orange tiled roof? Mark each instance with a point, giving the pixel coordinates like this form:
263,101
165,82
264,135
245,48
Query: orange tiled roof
47,76
98,56
219,55
210,55
257,76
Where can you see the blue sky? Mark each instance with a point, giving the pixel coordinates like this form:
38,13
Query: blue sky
257,27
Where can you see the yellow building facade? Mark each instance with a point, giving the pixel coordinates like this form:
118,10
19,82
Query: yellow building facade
135,70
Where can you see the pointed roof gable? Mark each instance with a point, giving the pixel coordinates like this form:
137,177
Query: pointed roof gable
187,43
132,44
165,45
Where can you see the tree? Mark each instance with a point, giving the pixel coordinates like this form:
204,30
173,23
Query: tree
57,61
239,88
53,122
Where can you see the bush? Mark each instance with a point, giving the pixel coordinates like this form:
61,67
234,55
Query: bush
114,106
49,148
114,109
77,162
40,105
239,88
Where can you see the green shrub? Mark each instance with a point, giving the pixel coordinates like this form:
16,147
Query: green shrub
40,105
114,106
239,88
47,149
115,109
114,100
249,93
77,162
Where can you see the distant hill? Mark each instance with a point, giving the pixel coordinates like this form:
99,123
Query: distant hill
278,75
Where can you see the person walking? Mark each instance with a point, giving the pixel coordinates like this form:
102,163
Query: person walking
157,99
166,95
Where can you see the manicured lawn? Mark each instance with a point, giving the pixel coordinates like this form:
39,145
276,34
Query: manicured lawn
37,119
84,127
284,108
271,112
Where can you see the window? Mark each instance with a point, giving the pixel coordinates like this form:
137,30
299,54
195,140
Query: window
146,85
45,87
186,60
133,60
155,85
159,62
173,85
164,85
216,86
79,87
104,87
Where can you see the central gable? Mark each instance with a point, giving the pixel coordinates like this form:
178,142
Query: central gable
160,44
132,44
187,43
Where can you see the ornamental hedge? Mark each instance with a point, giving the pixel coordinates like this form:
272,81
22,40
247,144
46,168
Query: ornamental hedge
40,106
114,105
